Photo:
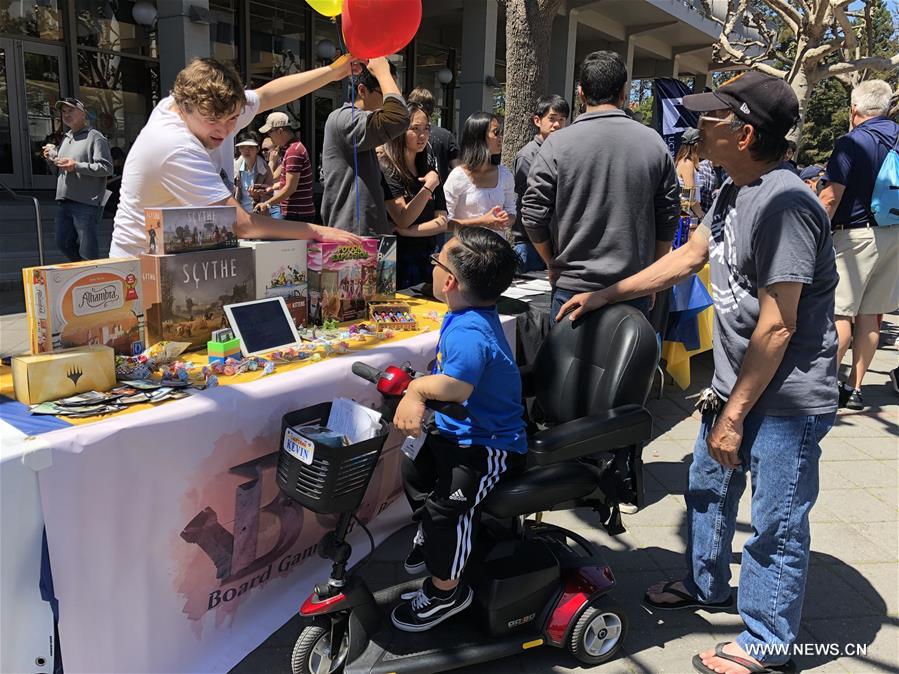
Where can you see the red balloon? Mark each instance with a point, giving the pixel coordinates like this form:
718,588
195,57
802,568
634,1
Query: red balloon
375,28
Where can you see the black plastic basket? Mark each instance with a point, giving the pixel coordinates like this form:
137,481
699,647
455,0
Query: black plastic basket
336,479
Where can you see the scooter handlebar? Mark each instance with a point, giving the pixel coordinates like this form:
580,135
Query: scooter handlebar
367,372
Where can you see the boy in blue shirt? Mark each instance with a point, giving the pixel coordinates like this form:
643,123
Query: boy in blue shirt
462,461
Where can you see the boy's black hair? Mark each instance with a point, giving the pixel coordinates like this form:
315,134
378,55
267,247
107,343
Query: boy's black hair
369,80
552,102
484,263
603,75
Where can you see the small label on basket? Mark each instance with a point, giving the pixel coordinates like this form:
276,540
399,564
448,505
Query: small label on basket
298,446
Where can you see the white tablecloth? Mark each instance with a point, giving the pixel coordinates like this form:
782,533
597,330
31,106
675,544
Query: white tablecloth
171,547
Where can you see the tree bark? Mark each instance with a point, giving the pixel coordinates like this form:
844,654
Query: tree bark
528,35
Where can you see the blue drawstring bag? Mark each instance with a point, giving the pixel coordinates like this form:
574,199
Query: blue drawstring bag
885,196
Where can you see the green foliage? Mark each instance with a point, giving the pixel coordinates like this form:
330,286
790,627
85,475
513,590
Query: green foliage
826,119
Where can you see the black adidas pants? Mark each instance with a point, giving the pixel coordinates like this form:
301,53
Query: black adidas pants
445,486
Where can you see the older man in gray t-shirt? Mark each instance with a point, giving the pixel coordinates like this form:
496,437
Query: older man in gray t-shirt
773,396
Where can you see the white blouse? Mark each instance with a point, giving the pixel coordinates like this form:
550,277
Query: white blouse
465,200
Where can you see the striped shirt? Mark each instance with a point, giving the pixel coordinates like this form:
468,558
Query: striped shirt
299,205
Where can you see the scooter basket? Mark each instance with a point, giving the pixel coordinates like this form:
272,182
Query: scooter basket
326,480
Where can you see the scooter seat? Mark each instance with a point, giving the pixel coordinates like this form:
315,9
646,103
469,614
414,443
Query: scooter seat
540,488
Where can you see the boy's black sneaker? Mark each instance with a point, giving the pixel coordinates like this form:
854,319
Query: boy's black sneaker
855,401
415,561
430,607
894,377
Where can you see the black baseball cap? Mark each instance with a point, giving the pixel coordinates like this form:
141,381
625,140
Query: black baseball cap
768,103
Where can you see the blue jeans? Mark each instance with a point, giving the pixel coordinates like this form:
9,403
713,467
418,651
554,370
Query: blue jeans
781,455
530,258
560,296
78,229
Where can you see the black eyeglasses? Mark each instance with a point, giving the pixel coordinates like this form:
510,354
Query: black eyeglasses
436,261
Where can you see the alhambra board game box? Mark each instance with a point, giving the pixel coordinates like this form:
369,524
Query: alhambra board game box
185,229
281,272
95,302
342,278
186,293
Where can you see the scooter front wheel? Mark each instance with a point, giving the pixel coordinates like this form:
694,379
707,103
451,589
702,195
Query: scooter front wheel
312,653
598,633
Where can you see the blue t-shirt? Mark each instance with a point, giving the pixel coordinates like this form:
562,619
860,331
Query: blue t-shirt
472,348
855,163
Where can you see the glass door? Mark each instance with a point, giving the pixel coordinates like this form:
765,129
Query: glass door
32,79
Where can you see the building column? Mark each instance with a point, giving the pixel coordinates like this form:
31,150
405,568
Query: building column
479,23
181,36
629,60
561,58
675,66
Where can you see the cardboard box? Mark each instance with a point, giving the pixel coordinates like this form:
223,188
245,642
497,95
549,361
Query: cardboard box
51,376
185,294
281,272
342,279
386,268
187,229
84,304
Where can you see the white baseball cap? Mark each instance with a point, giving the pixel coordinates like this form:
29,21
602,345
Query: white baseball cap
275,120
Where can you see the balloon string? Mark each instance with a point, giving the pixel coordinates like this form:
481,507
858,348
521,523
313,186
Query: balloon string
343,49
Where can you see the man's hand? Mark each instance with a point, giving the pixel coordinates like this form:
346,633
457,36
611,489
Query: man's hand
262,207
335,235
583,303
410,415
379,67
344,65
67,164
431,181
724,441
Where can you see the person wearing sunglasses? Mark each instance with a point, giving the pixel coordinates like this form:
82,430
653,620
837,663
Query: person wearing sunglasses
773,396
480,192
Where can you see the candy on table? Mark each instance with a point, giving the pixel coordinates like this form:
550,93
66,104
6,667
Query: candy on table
252,366
229,370
316,357
211,381
268,368
343,347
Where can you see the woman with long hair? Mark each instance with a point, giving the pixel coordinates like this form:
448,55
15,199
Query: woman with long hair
686,163
480,192
413,198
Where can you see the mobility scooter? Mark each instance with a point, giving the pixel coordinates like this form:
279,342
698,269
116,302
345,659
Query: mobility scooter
534,583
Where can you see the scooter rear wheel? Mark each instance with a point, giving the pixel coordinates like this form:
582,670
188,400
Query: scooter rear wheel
598,633
312,652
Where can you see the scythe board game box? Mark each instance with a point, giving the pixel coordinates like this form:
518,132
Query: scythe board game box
186,293
95,302
342,279
281,272
185,229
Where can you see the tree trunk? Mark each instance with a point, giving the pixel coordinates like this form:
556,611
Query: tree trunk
528,33
803,90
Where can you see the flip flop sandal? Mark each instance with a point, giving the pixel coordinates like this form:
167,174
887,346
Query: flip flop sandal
685,600
743,662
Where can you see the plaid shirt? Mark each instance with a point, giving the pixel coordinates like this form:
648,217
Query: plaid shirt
708,183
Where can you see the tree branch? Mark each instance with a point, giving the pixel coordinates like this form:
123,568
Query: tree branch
787,13
873,62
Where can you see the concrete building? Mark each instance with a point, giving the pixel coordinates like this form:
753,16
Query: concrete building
121,56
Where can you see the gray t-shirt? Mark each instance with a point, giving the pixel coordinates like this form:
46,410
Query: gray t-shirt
774,230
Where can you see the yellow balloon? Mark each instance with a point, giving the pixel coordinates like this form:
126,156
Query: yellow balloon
329,8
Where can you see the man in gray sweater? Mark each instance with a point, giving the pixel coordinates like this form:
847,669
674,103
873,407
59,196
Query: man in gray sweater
379,115
602,197
83,162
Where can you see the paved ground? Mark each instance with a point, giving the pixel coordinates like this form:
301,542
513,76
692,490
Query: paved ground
852,597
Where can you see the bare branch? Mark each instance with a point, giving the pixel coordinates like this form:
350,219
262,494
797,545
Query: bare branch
873,62
787,13
839,13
